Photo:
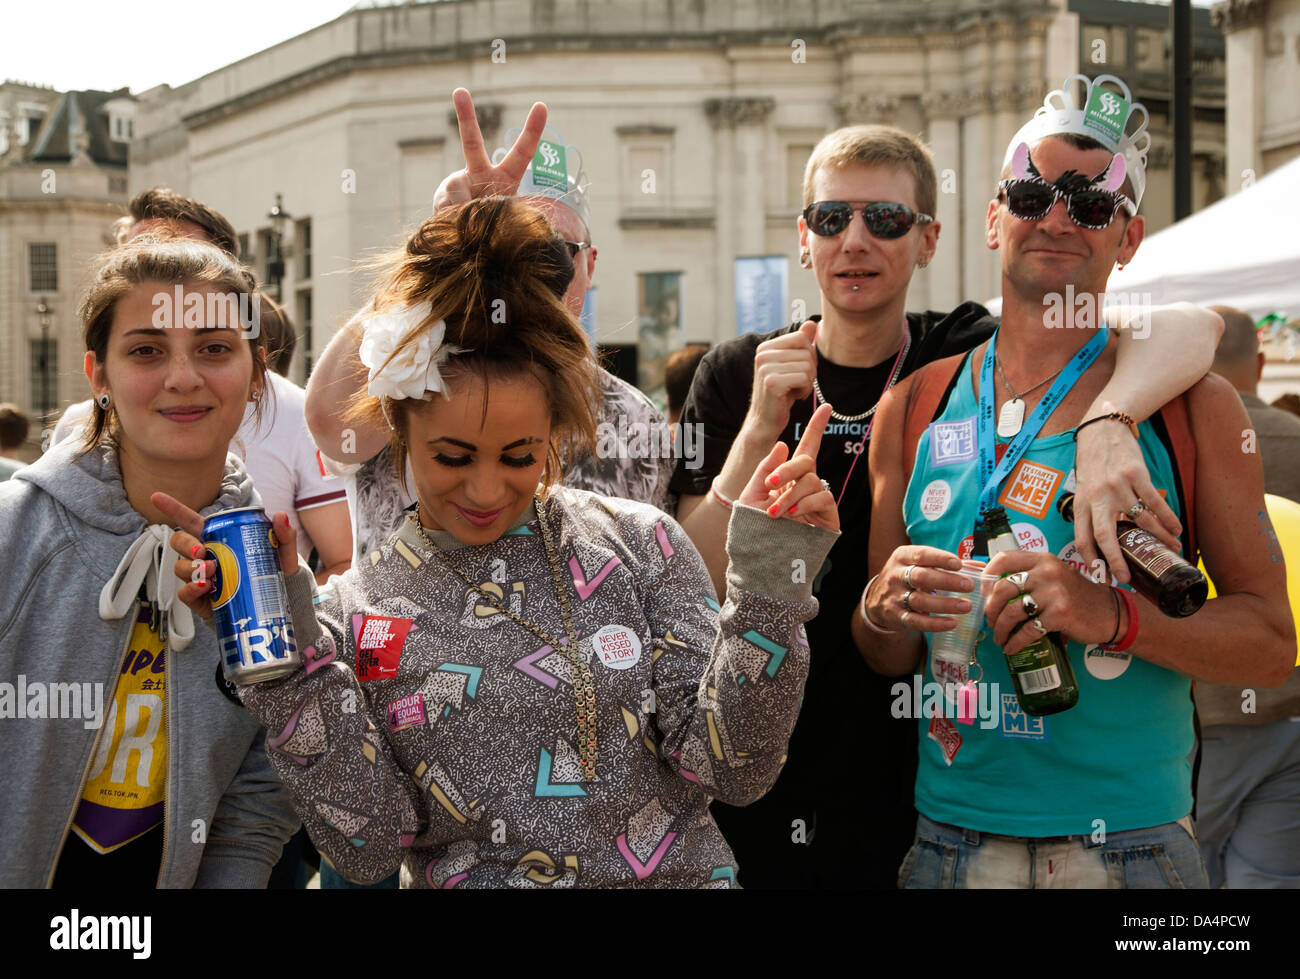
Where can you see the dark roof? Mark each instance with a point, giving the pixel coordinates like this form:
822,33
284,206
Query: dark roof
55,143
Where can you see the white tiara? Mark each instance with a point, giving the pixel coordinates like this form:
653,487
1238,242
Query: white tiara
1105,115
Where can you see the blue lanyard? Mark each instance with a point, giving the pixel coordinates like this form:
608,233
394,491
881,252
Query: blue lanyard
993,476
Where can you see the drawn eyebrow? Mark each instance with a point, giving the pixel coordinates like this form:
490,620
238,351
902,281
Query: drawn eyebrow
531,440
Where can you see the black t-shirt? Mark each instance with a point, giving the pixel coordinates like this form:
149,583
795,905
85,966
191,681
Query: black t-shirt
841,814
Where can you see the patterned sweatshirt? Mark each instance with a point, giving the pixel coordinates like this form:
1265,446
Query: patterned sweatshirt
428,730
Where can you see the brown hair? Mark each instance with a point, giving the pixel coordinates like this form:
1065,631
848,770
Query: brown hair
162,203
872,145
679,371
495,271
169,260
13,426
278,335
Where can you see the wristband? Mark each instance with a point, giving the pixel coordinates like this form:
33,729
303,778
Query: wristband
863,605
1119,617
1131,634
1119,416
713,488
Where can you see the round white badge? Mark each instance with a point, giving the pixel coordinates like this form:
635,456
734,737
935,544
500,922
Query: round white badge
617,646
935,499
1029,537
1104,664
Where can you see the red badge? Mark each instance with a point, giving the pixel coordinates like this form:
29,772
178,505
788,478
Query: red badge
379,646
944,733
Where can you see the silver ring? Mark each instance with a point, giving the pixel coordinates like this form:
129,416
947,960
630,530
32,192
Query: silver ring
1031,606
907,576
1020,579
1038,624
826,486
1133,511
907,600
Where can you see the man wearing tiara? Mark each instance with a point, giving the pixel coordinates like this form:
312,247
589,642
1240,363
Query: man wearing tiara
1099,795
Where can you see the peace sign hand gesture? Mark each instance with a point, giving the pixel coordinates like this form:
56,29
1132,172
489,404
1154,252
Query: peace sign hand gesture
480,178
792,488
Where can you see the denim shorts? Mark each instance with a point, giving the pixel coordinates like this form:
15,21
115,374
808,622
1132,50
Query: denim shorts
944,856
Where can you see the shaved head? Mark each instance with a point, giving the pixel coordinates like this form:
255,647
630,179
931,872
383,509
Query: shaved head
1238,356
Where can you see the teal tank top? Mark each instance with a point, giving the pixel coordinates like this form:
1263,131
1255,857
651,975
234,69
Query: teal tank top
1117,760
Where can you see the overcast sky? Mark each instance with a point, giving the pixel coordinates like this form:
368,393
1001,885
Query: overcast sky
83,44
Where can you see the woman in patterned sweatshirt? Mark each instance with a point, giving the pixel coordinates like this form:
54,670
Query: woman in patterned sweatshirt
529,685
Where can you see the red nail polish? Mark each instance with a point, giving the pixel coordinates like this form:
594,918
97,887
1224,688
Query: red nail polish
793,508
773,510
196,550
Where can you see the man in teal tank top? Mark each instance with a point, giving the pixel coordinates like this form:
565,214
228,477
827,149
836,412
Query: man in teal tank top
1099,795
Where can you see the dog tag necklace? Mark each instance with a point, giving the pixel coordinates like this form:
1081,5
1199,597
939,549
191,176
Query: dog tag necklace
1012,416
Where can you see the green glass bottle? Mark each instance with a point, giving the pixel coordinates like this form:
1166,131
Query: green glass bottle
1041,671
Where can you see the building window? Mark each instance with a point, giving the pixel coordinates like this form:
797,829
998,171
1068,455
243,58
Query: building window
647,166
42,266
304,331
44,370
303,236
659,328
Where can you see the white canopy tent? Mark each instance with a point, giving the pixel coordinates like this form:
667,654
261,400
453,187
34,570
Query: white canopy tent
1242,251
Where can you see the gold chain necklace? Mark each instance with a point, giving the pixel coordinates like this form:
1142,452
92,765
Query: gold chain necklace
584,692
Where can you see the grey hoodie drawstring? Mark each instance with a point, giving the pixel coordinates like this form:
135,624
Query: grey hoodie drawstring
151,560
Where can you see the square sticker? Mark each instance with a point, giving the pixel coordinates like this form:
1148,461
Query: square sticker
379,646
1030,488
1017,725
952,442
406,713
1106,114
944,733
550,169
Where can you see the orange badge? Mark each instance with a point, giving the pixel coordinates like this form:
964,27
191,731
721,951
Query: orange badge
1030,488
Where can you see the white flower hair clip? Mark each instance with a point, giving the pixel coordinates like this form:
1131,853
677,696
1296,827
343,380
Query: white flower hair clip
413,371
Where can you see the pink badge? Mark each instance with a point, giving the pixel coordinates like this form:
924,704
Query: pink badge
406,713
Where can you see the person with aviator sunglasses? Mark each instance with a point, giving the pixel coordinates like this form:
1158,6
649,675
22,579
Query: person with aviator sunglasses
841,814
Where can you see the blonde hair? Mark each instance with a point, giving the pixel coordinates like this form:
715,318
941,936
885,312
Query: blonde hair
871,145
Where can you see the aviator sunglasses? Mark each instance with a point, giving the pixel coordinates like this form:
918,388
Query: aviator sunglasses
882,218
1032,197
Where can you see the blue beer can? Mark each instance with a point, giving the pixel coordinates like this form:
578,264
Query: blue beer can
249,600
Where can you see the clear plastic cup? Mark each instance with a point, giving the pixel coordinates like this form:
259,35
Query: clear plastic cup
958,645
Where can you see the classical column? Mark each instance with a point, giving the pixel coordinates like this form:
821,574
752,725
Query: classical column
855,109
739,158
1243,22
940,285
978,176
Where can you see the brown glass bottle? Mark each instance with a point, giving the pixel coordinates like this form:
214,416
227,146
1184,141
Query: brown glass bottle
1176,587
1042,674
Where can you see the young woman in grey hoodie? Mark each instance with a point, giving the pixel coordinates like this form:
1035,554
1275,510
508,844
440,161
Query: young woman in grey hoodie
125,764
